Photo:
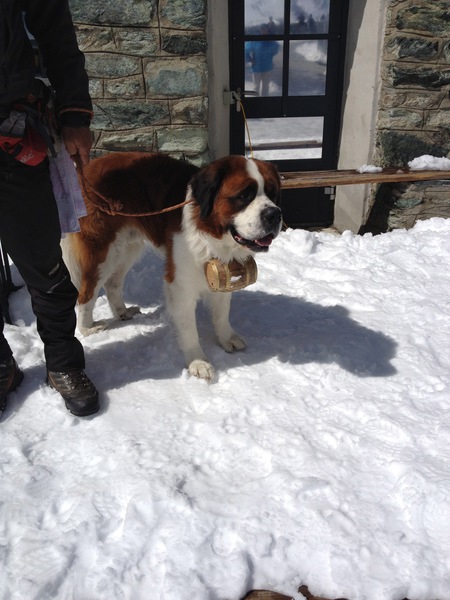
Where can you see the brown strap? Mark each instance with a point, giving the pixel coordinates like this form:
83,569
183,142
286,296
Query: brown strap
114,207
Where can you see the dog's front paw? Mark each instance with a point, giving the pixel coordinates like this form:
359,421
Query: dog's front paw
94,328
233,344
129,313
201,369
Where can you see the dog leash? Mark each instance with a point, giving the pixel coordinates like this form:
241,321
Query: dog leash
114,207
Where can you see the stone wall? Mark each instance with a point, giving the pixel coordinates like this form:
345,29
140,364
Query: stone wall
414,115
146,61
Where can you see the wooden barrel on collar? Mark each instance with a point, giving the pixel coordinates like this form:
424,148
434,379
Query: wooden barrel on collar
232,276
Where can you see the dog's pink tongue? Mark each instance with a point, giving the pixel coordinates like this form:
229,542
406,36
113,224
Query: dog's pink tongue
265,241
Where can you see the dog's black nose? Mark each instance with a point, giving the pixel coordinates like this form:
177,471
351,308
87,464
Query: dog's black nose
271,216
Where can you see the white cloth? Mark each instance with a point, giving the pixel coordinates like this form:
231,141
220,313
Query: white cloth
67,191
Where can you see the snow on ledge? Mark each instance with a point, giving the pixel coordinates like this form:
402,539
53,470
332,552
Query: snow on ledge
432,163
421,163
369,169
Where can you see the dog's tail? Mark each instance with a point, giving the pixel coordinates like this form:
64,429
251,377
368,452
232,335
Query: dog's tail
69,257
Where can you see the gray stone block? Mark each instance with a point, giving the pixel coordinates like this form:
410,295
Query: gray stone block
136,13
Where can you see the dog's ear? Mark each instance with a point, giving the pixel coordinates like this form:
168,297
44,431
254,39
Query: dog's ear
272,177
277,178
276,182
278,197
205,186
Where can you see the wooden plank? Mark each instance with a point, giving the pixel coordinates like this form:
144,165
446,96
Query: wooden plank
311,179
284,145
266,595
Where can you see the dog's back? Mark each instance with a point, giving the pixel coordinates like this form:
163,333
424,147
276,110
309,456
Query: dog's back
107,245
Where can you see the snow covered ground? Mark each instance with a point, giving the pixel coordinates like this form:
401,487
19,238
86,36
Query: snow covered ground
319,456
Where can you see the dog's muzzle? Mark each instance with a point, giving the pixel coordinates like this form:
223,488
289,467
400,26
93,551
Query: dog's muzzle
271,224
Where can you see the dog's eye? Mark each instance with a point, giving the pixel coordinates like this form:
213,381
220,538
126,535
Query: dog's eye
246,196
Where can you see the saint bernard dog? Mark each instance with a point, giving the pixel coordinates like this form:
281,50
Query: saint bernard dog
233,212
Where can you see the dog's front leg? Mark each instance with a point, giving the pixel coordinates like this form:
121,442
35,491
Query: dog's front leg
219,303
181,305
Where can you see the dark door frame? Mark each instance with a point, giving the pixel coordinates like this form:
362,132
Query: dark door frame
328,106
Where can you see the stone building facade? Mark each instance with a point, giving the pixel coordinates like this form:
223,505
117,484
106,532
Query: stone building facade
146,61
414,110
148,69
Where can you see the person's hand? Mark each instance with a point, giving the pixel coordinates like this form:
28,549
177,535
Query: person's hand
78,142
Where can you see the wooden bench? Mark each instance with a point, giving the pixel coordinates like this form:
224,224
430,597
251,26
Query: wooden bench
312,179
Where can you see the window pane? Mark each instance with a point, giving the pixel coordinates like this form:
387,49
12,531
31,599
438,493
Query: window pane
260,13
310,16
285,138
308,68
264,67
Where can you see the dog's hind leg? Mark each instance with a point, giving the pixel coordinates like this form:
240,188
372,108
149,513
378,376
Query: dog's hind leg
113,288
87,297
126,251
219,304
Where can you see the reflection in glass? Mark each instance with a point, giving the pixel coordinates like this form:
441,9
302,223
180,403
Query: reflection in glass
307,67
263,67
264,12
310,17
286,138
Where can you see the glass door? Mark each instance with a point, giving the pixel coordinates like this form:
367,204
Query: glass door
286,66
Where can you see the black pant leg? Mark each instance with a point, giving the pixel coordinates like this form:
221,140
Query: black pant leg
30,232
5,350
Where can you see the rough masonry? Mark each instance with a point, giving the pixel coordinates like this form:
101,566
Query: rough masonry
146,61
414,110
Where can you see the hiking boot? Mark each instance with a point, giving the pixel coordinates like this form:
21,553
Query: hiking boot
10,377
78,391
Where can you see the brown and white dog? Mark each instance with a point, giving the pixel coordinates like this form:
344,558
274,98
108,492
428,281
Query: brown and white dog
233,214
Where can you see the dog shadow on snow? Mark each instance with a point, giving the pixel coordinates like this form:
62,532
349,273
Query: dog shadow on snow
293,330
300,332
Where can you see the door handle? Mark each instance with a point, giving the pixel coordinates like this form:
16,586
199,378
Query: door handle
234,96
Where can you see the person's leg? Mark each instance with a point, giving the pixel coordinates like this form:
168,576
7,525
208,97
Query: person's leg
265,83
10,374
5,350
30,233
257,83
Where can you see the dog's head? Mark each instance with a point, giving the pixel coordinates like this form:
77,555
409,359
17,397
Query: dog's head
240,196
